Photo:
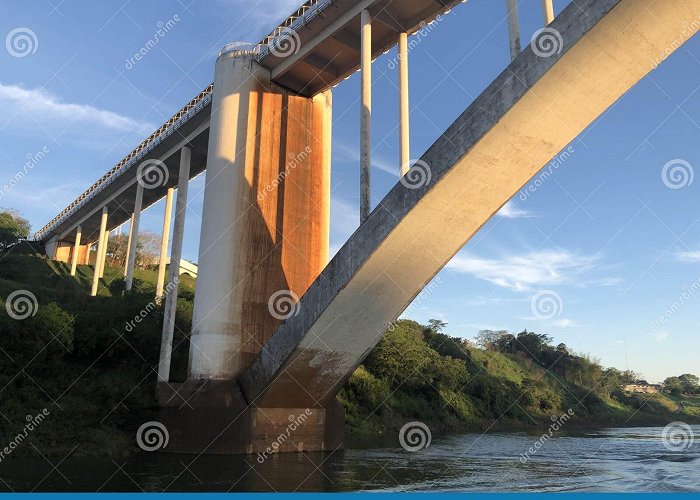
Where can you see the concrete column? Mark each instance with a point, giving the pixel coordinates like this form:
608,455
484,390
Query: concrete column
166,345
87,254
162,262
100,248
513,28
404,132
134,232
548,10
76,249
103,258
128,244
265,216
365,114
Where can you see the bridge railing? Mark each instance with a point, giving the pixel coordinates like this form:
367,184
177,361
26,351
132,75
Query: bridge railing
163,132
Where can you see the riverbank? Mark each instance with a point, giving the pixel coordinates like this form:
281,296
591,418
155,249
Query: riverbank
85,362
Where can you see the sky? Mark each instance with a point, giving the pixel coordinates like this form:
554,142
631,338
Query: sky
603,255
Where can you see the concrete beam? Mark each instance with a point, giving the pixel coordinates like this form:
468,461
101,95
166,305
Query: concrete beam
165,239
366,115
534,109
131,258
166,343
100,249
76,248
404,111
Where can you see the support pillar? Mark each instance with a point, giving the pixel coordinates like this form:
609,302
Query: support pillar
264,240
100,248
548,11
166,345
404,112
165,239
103,257
134,232
513,28
128,244
87,254
76,249
365,114
265,225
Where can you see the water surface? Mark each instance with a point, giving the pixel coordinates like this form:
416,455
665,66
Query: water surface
631,459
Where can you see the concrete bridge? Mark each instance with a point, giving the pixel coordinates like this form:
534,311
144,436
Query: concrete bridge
259,354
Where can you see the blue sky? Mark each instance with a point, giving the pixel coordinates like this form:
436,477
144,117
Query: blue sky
604,236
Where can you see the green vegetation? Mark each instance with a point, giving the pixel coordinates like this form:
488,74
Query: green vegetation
85,359
13,228
509,381
91,365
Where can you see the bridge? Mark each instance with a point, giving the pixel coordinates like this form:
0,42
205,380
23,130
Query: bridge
277,328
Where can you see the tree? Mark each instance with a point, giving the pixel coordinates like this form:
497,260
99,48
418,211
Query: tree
436,325
489,339
673,385
690,383
116,250
13,227
148,250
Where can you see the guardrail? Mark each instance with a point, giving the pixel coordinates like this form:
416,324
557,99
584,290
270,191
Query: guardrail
163,132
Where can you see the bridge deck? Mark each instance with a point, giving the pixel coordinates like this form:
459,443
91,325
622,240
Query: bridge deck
312,50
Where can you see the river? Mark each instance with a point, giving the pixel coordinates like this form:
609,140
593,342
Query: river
617,460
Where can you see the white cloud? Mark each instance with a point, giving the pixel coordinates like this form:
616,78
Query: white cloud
510,211
689,256
352,154
526,271
564,323
41,106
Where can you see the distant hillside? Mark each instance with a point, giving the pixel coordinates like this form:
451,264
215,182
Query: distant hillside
418,373
90,364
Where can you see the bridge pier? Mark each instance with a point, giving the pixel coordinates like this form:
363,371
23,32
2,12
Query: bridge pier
264,240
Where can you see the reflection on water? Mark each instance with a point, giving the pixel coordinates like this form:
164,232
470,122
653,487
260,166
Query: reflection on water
608,460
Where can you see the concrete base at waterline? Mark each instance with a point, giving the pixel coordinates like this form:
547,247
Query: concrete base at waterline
213,417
